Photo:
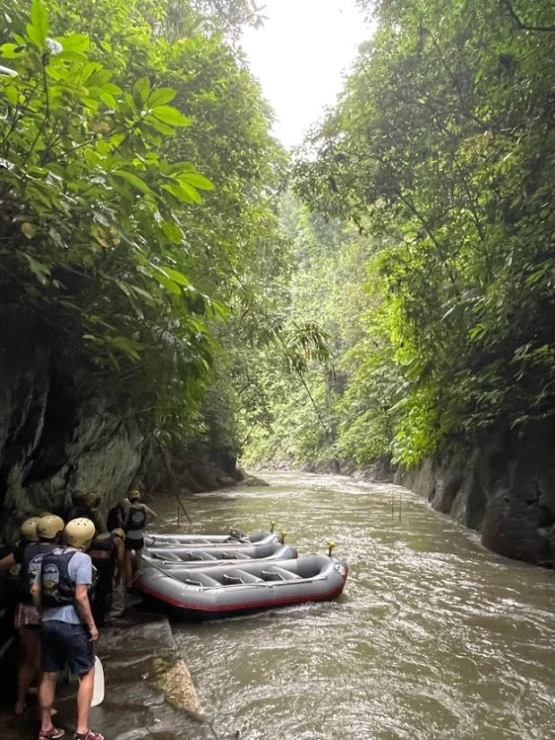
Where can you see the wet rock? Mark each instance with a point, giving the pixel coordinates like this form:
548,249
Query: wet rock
177,685
504,487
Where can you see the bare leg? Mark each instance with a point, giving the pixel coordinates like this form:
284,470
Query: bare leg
129,567
29,644
84,699
47,690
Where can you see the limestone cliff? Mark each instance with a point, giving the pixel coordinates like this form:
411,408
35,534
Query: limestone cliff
504,487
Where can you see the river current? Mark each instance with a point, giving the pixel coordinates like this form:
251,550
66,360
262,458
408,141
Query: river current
434,637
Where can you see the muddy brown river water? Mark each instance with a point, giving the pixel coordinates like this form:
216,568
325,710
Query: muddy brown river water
434,637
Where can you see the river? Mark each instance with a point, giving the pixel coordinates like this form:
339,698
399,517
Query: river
434,637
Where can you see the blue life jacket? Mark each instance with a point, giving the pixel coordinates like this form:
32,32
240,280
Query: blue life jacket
57,588
31,566
136,518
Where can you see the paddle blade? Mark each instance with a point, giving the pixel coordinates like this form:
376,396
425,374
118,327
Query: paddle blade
98,691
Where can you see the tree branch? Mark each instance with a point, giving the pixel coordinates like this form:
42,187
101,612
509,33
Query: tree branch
524,26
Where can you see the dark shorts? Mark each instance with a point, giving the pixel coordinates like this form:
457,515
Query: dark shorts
136,545
66,644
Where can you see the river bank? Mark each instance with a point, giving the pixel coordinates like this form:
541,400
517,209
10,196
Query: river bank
140,659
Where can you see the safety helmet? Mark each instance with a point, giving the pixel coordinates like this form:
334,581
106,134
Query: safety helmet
29,529
92,499
79,532
119,533
134,495
49,526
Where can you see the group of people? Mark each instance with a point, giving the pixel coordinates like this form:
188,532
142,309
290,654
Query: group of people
66,576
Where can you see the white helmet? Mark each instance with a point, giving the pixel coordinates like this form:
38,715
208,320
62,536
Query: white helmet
49,526
79,532
29,529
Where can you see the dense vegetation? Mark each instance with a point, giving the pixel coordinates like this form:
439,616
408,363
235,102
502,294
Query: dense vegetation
137,177
435,271
399,298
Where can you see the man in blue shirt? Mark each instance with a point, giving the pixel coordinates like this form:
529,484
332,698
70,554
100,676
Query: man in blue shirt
68,628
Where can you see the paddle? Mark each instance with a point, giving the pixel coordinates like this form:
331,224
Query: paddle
98,691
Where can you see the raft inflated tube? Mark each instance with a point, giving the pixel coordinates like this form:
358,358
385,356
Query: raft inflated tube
167,558
217,552
230,589
201,540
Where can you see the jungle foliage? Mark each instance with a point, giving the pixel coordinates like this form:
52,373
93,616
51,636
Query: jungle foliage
137,179
438,164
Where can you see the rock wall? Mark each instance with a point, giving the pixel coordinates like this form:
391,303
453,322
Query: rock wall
504,487
56,442
60,439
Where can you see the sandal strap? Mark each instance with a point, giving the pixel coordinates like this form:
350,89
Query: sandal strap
52,734
90,735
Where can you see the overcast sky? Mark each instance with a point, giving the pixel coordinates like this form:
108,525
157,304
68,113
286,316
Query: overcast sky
299,57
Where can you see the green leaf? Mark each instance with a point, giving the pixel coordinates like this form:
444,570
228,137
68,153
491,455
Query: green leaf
195,180
169,114
172,231
142,88
176,276
161,96
78,42
10,51
181,193
162,128
134,180
39,22
170,285
39,269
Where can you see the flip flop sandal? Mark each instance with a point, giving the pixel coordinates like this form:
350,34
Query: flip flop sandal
54,734
90,735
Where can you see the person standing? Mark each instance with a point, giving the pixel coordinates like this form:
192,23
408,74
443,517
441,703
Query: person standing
68,628
87,506
27,617
28,533
138,516
107,553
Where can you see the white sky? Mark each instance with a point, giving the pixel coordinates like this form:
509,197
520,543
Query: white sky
300,55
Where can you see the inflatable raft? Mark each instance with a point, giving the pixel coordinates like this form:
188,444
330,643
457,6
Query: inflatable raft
184,557
233,539
231,589
223,551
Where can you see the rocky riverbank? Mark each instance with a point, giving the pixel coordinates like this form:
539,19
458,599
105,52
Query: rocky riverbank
149,691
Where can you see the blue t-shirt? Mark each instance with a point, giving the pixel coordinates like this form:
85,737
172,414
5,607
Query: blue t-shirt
80,572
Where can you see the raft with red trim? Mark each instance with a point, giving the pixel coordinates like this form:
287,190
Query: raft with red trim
238,588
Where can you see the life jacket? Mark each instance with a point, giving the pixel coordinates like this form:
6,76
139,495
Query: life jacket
105,543
31,567
136,518
57,587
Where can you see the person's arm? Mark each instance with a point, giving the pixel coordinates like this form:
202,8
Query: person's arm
150,514
35,594
83,580
84,608
7,563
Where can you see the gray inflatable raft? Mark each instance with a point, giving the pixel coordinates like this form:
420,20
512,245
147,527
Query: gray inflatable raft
234,539
224,551
236,588
184,558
